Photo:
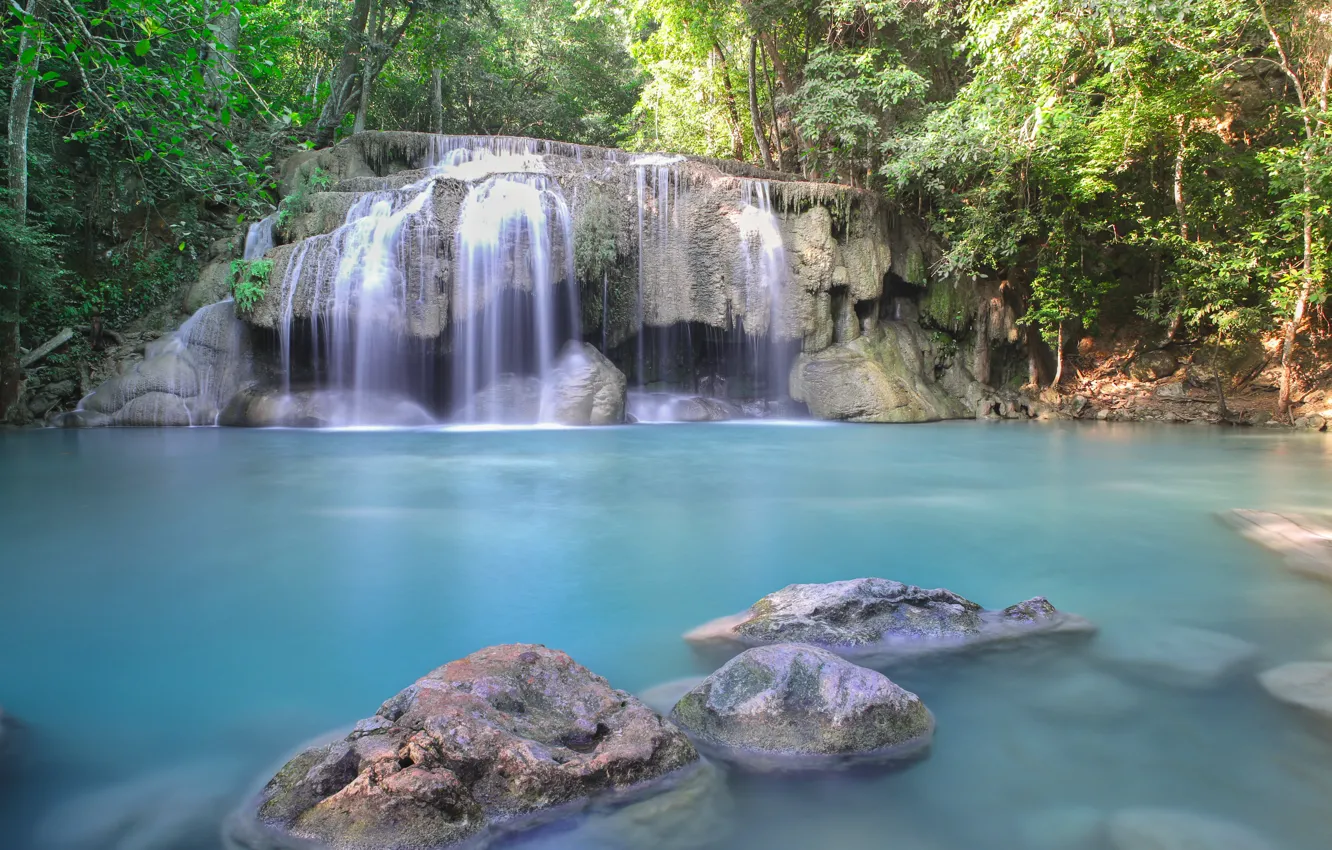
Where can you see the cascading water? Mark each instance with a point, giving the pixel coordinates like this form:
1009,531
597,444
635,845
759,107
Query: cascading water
259,238
514,246
655,239
766,271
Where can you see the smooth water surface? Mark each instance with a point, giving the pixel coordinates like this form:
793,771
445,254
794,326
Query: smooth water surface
181,608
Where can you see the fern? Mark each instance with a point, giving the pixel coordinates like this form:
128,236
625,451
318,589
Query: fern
249,282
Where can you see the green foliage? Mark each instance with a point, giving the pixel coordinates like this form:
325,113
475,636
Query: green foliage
298,202
249,282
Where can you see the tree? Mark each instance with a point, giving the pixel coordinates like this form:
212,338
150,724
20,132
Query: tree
30,47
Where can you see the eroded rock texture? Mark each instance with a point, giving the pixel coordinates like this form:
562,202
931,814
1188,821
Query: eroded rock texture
800,700
505,735
867,617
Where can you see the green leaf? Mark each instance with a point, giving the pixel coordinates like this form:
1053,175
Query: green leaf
142,48
27,56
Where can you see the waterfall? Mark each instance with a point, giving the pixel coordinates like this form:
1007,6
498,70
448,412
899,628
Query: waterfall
259,238
654,249
514,246
361,293
766,271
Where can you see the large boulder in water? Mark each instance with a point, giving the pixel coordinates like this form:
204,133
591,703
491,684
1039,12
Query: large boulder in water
877,619
505,737
584,389
884,376
793,700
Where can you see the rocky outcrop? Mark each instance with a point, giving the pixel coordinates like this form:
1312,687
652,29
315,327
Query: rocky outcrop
184,378
884,376
1305,684
878,619
585,389
255,407
502,738
1168,829
793,700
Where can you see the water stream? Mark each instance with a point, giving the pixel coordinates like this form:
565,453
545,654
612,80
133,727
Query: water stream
182,607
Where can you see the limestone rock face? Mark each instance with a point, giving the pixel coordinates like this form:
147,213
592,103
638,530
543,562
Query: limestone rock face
1305,684
880,377
585,389
482,744
802,700
1167,829
869,617
184,378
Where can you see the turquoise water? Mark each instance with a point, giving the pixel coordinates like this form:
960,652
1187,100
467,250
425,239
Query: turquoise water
192,604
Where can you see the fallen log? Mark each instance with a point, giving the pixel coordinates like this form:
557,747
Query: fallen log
46,348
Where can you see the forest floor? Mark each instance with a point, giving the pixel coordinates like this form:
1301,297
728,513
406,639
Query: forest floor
1117,381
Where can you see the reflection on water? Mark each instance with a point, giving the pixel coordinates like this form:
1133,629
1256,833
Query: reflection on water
179,609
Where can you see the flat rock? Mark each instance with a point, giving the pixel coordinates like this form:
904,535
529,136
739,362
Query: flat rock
1086,695
174,808
1306,684
799,700
501,740
1168,829
873,619
1177,655
1072,827
1305,542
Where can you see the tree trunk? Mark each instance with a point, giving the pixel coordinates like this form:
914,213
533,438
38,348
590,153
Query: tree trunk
11,296
1301,303
367,66
219,55
737,128
343,91
436,98
1181,209
1059,359
788,85
759,138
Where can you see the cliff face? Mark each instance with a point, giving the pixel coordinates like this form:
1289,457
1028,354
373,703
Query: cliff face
434,268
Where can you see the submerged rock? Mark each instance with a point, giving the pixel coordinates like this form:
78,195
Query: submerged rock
1177,655
798,700
1305,684
175,808
1168,829
1087,695
1072,827
585,389
503,738
872,618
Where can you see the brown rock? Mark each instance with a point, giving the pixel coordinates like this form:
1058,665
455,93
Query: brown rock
484,743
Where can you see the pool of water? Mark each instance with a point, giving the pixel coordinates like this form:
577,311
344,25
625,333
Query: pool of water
180,608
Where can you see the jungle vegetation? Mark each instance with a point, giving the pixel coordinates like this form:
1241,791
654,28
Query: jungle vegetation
1168,159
